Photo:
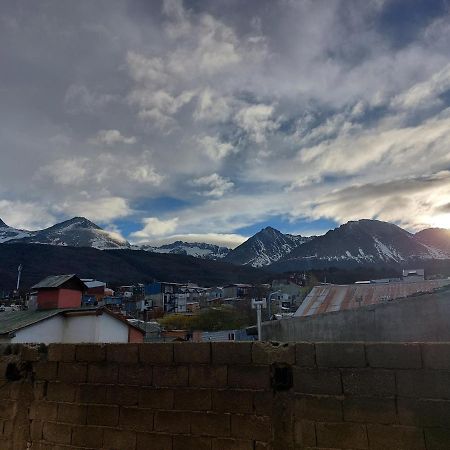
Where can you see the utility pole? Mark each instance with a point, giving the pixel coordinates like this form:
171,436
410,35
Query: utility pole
258,305
19,273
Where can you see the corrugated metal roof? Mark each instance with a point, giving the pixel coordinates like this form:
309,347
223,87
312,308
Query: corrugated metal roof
15,320
328,298
54,281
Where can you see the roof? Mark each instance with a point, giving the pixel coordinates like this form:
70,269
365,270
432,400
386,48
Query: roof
15,320
56,281
332,297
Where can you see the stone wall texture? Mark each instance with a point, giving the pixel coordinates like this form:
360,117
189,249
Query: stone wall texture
225,396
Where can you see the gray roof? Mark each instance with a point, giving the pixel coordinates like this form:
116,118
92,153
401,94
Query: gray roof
15,320
54,281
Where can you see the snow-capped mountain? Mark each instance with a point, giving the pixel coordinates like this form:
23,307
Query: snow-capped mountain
363,242
196,249
76,232
265,247
8,233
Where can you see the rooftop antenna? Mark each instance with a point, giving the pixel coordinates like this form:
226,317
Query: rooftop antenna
19,273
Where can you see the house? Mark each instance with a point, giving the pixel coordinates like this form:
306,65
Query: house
413,274
55,315
93,325
287,290
170,297
237,290
96,291
61,291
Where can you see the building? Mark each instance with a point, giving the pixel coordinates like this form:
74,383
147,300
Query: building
332,297
170,297
288,290
413,274
93,325
60,291
238,290
96,291
55,314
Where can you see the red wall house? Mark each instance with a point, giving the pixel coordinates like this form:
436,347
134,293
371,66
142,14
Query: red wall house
61,291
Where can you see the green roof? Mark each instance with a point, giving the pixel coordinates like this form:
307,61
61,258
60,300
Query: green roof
15,320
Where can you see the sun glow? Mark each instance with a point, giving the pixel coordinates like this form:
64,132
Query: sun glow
440,221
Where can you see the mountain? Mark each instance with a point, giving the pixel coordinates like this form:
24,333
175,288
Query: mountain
265,247
116,267
196,249
9,233
362,242
437,239
76,232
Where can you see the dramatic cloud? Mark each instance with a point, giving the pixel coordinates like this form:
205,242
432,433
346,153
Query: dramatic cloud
209,120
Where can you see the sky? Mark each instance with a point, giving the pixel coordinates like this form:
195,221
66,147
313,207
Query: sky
209,120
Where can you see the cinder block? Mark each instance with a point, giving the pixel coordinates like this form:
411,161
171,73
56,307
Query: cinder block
56,433
394,356
341,435
251,427
395,437
263,403
35,429
61,352
304,433
210,424
423,384
122,395
122,353
153,441
92,393
136,375
87,436
192,399
90,352
420,412
30,353
172,421
370,410
70,413
72,372
167,376
207,376
136,419
436,355
321,408
305,354
231,444
156,398
317,381
192,353
157,353
252,377
44,370
119,439
232,352
61,392
106,415
341,354
43,409
271,352
191,443
233,401
103,373
437,438
369,382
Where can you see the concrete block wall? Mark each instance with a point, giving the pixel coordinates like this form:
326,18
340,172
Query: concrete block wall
225,396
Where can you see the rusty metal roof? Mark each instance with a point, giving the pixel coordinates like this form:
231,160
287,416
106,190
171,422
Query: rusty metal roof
331,297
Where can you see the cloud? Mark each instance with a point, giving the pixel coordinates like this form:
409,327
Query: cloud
154,227
257,121
25,215
111,137
216,149
223,240
215,185
80,100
